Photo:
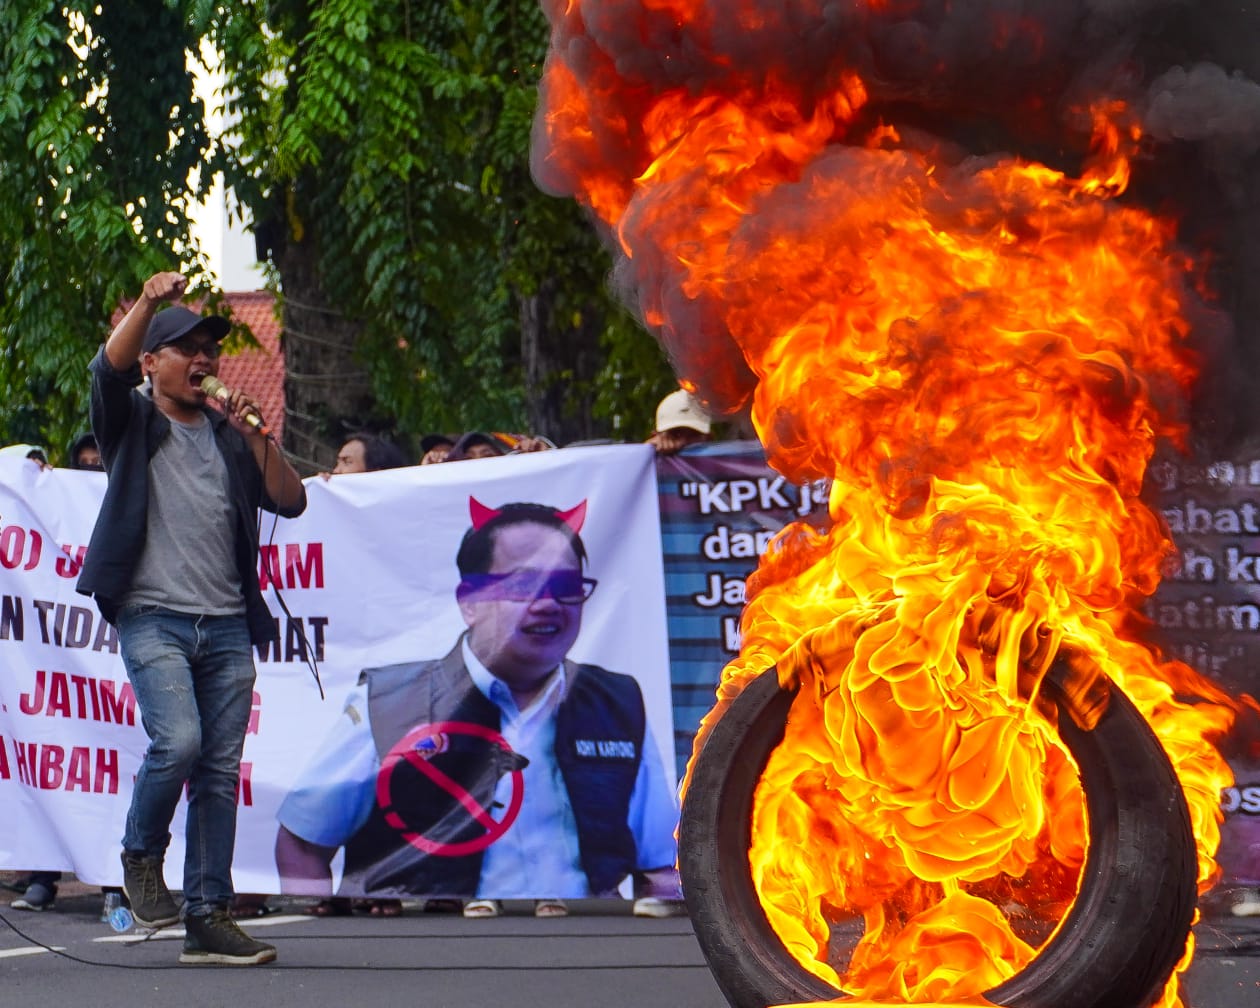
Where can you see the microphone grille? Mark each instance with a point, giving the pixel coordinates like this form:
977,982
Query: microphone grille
211,386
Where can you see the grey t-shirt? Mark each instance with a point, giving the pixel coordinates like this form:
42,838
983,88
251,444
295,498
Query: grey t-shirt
189,562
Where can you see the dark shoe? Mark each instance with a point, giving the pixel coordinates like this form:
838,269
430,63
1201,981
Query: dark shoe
216,939
37,897
443,906
152,904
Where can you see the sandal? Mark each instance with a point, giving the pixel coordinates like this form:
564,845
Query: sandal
483,908
334,906
550,908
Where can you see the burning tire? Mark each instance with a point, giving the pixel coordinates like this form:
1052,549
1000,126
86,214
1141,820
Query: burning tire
1117,945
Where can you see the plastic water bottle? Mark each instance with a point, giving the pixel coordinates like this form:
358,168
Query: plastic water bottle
112,899
115,914
120,919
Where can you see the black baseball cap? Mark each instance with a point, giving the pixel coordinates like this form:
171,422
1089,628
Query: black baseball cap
431,441
176,322
470,438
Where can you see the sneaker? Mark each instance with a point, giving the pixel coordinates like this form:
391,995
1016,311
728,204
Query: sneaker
37,897
483,908
215,938
1246,905
653,906
152,904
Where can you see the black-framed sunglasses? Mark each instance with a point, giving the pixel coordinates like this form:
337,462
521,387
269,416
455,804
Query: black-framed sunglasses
568,587
189,347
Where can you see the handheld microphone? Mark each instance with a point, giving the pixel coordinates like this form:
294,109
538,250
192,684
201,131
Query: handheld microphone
215,389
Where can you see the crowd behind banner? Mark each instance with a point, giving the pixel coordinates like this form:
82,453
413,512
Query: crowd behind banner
367,578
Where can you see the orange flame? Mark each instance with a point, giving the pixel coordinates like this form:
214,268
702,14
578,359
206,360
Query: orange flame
980,354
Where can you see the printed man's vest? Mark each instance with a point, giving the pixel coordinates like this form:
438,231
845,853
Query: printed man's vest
600,727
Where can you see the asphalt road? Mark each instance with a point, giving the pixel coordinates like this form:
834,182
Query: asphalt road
598,957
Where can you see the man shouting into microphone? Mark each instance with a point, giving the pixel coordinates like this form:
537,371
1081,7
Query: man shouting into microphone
172,564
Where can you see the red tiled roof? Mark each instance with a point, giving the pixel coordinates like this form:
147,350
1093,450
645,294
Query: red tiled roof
258,372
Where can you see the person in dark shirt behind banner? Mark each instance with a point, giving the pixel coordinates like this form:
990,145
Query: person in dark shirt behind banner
364,452
172,563
502,770
84,454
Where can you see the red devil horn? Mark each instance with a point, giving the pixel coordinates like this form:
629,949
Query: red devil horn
574,516
479,513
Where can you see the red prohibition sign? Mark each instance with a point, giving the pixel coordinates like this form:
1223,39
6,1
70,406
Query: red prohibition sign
405,750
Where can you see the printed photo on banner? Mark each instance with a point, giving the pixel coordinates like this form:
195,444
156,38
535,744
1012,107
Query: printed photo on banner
502,768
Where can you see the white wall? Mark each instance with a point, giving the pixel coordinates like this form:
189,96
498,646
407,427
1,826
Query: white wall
229,246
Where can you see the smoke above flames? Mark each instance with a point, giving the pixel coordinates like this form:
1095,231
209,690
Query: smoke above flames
973,81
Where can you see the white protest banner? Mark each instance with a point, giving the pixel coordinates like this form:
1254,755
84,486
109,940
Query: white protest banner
367,575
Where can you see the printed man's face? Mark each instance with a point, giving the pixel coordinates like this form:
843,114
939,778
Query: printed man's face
522,640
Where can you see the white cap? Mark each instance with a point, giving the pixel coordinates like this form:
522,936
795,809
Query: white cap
24,450
680,409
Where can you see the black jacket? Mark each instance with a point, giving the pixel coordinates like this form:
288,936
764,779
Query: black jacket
129,428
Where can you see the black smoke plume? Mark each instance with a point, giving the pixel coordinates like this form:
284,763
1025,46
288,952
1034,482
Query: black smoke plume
978,78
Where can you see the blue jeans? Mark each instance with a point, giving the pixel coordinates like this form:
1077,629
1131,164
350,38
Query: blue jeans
193,677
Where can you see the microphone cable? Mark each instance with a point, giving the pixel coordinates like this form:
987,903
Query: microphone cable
376,937
307,649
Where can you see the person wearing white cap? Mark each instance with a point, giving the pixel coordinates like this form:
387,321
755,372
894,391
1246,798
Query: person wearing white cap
32,452
680,421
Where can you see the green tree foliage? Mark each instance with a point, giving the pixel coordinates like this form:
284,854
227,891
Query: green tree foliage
380,147
98,132
393,140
